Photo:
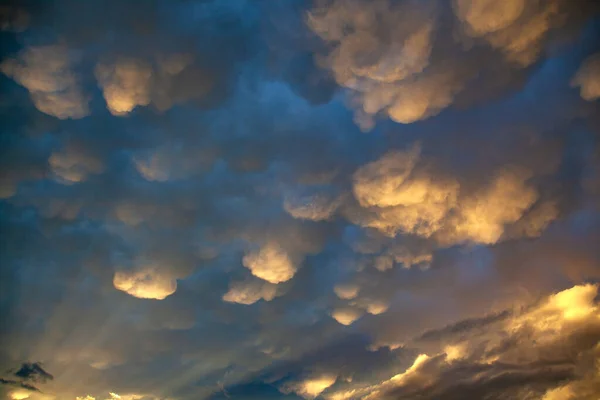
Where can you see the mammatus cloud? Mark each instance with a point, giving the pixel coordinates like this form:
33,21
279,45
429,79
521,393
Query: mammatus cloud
250,292
516,27
314,207
483,216
204,153
145,283
346,315
125,84
70,165
164,81
587,78
172,161
270,263
346,291
46,71
399,197
390,57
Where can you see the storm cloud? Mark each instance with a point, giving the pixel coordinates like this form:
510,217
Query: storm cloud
299,199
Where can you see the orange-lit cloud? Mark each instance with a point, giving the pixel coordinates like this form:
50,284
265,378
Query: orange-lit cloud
311,387
587,78
513,342
46,71
250,292
125,84
385,52
346,315
71,166
313,208
346,291
483,216
145,283
270,263
400,198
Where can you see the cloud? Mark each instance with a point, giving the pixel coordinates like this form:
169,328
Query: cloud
26,379
311,387
393,60
346,315
219,168
401,197
515,27
346,291
171,78
172,161
125,84
33,372
483,216
313,208
546,349
587,78
145,283
250,292
270,263
70,165
46,71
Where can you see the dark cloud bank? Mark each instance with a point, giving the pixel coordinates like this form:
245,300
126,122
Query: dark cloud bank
333,199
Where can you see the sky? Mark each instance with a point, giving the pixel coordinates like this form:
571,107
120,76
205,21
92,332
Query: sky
300,200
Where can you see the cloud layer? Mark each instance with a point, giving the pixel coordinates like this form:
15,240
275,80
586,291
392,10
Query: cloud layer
328,199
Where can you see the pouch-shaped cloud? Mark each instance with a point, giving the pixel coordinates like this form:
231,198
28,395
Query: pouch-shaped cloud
270,263
46,71
377,50
129,82
407,256
346,291
372,306
171,161
346,315
390,57
380,182
483,216
399,197
250,292
587,78
147,283
316,207
516,27
70,165
126,84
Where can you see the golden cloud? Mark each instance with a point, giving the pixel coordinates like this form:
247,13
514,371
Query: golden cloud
126,84
311,387
250,292
46,71
587,78
346,291
72,166
270,263
346,315
147,283
399,197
